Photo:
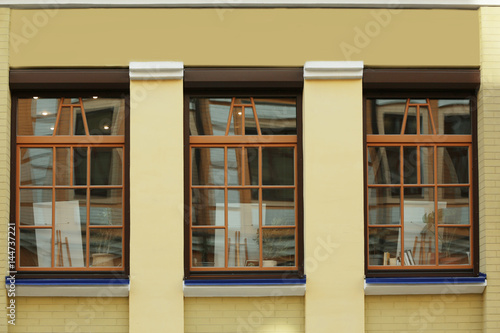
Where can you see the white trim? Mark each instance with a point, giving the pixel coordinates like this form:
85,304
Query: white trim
333,70
73,291
245,291
424,289
156,70
462,4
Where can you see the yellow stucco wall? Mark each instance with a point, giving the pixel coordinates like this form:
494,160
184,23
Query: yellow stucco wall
244,315
243,37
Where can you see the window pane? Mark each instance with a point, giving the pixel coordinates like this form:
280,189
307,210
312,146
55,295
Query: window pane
63,166
208,248
453,165
36,166
384,246
454,246
411,120
453,205
36,116
208,207
207,166
106,247
35,248
410,165
80,165
425,121
278,207
278,247
105,116
106,166
106,207
278,166
427,165
251,156
277,116
384,206
384,116
453,117
250,123
236,121
234,166
383,165
64,124
35,207
208,116
243,246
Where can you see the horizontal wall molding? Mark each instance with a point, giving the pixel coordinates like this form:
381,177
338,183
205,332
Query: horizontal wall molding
156,70
333,70
221,4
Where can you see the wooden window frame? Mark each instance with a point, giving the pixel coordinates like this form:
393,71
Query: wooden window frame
420,84
83,83
251,82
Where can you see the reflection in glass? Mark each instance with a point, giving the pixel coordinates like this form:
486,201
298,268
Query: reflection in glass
80,165
384,205
383,165
105,116
35,247
411,123
35,207
106,207
384,247
208,248
410,165
236,124
454,246
454,116
106,166
105,247
207,166
278,207
453,205
278,247
36,116
427,165
384,116
453,164
278,166
234,166
208,207
208,116
64,125
36,166
250,123
277,116
63,166
251,156
425,121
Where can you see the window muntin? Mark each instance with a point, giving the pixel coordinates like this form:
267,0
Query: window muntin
419,184
70,184
243,184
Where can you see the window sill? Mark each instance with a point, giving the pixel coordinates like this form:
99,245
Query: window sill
244,288
69,287
425,285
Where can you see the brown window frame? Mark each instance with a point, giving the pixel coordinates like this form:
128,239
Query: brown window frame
422,84
250,82
83,83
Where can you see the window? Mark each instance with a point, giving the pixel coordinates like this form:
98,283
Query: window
420,184
70,176
244,194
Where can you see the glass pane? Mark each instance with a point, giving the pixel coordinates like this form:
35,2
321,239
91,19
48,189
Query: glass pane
36,166
105,116
63,166
106,247
250,124
106,207
278,166
35,207
208,116
418,101
454,246
425,121
453,205
71,101
384,247
278,247
234,166
243,247
453,165
453,116
383,165
410,165
36,116
427,165
70,226
77,116
277,116
208,207
236,125
411,121
64,124
384,116
106,166
384,205
208,166
251,156
278,207
208,248
419,225
80,166
35,248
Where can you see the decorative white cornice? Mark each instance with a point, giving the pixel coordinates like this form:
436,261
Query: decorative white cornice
333,70
156,70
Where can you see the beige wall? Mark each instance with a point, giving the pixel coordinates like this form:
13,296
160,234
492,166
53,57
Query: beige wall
243,37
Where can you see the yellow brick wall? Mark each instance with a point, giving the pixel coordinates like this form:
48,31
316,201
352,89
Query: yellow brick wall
424,313
489,163
242,315
75,315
